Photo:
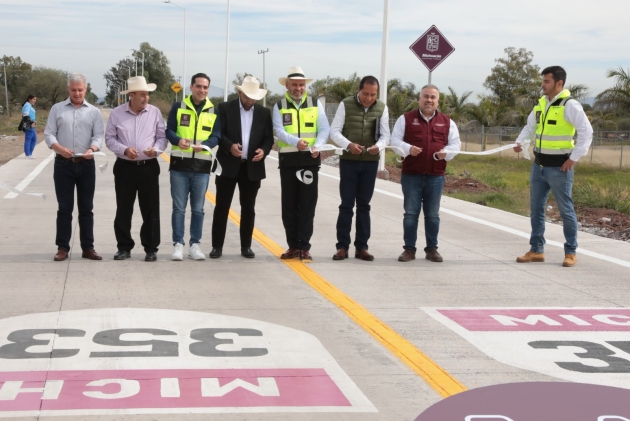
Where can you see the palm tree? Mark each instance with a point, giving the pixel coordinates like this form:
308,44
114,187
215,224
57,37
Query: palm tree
617,97
401,98
578,91
456,106
602,120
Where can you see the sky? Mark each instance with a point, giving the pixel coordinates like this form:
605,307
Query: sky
324,37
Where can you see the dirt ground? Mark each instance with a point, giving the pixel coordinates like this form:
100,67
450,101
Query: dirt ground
12,146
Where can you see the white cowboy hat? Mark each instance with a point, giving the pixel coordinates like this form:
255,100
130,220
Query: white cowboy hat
294,73
139,83
251,88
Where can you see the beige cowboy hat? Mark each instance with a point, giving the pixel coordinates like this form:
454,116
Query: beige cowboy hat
294,73
251,88
139,83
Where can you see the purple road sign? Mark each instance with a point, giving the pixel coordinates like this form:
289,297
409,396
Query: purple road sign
432,48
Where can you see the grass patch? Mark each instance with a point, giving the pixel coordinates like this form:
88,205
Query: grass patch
595,186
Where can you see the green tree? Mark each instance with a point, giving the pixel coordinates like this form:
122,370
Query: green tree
18,75
617,98
514,76
49,85
578,91
456,106
156,70
401,97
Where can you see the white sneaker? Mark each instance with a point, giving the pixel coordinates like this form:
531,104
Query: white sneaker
178,252
30,157
195,252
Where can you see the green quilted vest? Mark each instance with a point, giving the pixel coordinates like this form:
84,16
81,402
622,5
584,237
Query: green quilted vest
361,126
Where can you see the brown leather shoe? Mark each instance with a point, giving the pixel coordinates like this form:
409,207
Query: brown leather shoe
62,254
363,255
433,255
290,253
305,256
341,254
407,255
91,254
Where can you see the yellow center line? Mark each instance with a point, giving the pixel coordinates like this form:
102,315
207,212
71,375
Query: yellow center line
438,378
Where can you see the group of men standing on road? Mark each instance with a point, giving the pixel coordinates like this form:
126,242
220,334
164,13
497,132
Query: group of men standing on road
243,130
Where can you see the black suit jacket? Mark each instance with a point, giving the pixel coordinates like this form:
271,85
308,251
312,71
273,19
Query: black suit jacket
261,136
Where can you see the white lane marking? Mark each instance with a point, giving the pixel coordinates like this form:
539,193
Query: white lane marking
24,183
614,260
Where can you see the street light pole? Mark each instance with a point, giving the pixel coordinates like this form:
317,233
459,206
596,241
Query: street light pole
6,91
227,52
264,80
184,77
383,93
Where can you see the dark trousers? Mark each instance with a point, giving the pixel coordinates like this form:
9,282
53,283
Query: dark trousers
299,199
131,179
356,185
248,190
67,175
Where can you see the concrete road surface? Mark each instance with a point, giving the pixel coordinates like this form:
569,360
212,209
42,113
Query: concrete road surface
267,339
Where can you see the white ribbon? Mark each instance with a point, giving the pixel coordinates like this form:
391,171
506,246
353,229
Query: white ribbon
16,191
524,146
98,153
305,176
399,151
326,147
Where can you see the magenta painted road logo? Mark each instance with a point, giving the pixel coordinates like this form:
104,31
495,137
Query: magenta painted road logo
534,402
145,361
581,345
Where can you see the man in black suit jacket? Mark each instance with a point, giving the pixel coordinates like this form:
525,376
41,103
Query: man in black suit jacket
246,139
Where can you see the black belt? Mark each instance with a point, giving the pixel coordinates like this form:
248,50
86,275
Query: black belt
71,159
243,161
140,162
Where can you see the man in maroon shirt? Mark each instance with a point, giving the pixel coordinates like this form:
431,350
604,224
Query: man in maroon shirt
428,139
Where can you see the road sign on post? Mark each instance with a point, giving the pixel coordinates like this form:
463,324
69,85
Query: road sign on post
432,48
176,87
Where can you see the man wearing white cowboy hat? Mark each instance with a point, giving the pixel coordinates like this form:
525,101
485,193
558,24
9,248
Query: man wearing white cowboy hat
192,126
135,130
301,126
246,139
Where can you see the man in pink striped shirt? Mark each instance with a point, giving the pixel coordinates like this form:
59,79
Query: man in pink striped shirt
135,133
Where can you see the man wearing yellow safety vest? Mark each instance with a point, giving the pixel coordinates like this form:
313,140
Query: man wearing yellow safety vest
193,128
552,126
301,126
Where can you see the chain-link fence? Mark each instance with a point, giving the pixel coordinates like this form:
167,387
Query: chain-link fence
610,148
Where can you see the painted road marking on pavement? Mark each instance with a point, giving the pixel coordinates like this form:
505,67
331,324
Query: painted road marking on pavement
130,361
24,183
438,378
582,345
580,250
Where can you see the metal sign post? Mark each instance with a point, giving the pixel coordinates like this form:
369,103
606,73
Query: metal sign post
432,48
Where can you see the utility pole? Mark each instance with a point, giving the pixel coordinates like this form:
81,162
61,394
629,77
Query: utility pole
227,52
264,80
383,93
6,91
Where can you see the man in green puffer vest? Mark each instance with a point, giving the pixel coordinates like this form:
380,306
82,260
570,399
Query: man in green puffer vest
551,126
361,126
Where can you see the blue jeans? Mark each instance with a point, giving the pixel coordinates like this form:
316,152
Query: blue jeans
182,184
356,184
420,189
30,140
543,179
